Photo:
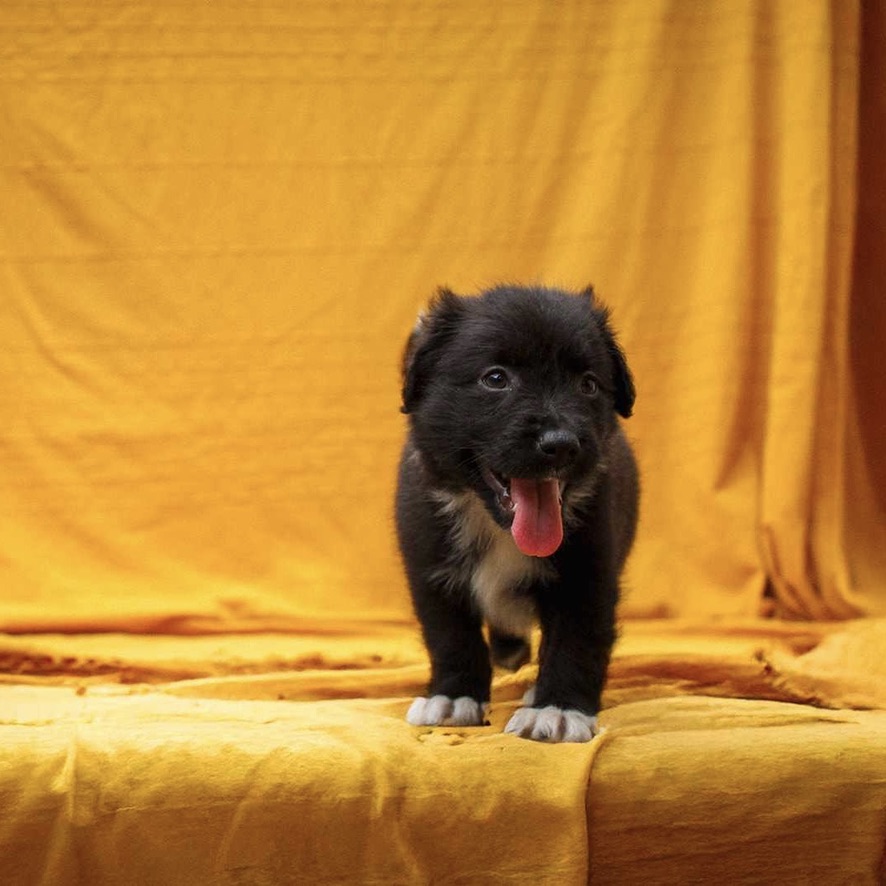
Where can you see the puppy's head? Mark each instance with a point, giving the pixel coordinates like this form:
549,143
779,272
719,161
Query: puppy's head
514,394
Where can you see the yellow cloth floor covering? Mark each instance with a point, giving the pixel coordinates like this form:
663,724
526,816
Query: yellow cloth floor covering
713,764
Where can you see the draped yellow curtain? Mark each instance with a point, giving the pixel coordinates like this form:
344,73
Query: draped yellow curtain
219,220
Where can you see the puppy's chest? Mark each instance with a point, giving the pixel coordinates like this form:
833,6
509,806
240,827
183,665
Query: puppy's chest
485,558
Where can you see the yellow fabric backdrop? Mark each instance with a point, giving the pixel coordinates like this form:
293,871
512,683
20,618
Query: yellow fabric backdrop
218,223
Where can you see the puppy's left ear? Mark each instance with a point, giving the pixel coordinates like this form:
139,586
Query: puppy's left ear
625,394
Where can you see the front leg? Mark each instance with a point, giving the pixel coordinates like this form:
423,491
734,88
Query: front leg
578,633
461,672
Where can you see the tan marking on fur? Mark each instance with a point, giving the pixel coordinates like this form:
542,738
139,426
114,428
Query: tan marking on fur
499,568
496,575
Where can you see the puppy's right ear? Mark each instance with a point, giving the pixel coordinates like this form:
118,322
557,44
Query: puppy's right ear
434,328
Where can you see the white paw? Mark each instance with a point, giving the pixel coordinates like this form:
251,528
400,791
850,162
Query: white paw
441,710
529,697
552,724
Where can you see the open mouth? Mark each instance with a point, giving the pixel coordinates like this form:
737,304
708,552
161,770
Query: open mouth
501,486
535,506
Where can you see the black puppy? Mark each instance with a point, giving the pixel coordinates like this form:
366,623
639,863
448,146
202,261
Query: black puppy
517,500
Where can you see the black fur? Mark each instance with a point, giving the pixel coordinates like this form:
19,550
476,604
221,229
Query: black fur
549,408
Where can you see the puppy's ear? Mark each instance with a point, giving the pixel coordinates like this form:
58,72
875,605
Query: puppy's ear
434,328
625,394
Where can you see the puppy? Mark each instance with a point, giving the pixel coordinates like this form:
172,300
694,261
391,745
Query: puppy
516,502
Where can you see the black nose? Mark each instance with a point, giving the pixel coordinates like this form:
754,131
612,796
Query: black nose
559,446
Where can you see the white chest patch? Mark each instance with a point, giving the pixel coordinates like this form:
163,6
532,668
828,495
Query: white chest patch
495,580
493,566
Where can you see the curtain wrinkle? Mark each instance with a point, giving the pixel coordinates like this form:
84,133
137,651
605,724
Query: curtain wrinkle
827,555
803,450
863,533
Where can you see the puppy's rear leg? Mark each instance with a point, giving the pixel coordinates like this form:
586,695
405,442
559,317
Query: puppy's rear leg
508,650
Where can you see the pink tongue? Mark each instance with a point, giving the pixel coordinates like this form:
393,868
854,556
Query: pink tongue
537,526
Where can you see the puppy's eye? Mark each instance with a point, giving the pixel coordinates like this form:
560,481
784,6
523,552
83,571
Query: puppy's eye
589,385
496,379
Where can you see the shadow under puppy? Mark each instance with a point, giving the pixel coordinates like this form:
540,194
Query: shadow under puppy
516,501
